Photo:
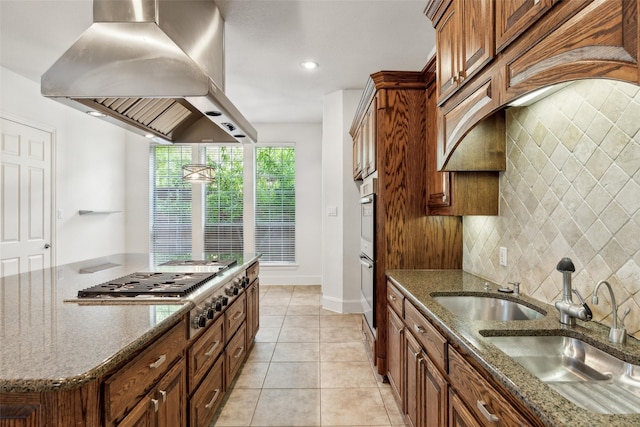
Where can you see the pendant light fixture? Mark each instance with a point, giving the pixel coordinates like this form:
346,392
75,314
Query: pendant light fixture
198,173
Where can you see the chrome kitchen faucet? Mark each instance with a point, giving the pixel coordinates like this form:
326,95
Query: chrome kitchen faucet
569,310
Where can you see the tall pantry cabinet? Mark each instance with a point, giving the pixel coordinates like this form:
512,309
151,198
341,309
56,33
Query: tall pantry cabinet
389,130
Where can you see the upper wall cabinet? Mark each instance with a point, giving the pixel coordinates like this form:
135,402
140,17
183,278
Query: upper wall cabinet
514,16
464,42
533,44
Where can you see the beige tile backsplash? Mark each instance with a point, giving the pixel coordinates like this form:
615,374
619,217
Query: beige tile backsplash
571,188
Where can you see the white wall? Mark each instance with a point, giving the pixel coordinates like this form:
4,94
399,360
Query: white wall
308,139
89,165
341,233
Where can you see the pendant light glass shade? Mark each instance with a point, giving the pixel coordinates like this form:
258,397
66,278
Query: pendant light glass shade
198,173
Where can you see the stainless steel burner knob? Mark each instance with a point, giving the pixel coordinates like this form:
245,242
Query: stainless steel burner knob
210,312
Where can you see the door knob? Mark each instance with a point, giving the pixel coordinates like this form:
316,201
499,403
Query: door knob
47,246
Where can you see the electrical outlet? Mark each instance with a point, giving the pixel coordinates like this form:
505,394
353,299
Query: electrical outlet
503,256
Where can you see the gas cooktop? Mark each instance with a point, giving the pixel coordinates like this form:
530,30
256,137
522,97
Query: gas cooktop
148,284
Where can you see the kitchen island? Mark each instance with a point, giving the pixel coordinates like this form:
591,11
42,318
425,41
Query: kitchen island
466,345
57,351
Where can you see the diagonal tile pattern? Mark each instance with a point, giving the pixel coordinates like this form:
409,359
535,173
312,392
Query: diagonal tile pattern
308,367
571,188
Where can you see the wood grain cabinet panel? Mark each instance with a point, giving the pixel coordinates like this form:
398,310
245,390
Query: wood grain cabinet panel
171,396
405,238
464,42
206,400
597,39
235,352
484,401
204,352
253,311
395,299
395,335
513,17
234,316
127,386
459,415
19,415
432,341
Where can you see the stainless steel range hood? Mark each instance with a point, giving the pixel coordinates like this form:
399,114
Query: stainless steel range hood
155,67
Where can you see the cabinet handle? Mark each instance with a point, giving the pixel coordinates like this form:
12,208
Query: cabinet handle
419,328
237,315
212,349
212,401
392,297
163,393
488,415
453,80
238,352
157,363
156,404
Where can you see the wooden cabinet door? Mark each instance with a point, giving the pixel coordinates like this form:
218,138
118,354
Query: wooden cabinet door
447,42
413,358
142,415
171,394
208,397
14,415
395,343
477,45
436,396
459,415
438,183
371,132
253,312
515,16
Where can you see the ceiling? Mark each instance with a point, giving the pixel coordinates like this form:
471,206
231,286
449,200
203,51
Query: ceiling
265,41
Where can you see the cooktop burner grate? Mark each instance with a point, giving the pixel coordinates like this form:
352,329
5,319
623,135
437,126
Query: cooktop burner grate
212,263
148,284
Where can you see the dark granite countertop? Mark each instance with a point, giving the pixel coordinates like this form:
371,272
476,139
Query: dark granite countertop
551,407
48,343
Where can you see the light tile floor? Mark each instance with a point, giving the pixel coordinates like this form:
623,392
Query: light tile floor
308,367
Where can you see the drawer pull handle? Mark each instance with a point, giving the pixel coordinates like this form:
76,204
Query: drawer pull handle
392,297
212,401
212,349
488,415
157,363
163,393
419,329
237,315
238,352
156,405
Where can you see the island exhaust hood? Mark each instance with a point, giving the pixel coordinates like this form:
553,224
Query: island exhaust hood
155,67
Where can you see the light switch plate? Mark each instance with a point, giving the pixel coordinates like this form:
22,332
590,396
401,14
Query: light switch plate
332,211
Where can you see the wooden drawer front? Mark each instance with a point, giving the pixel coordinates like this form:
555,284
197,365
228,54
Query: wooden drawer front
253,271
235,353
395,298
489,407
204,352
207,399
234,316
123,390
427,335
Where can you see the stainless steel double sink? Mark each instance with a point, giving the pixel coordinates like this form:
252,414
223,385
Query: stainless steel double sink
588,376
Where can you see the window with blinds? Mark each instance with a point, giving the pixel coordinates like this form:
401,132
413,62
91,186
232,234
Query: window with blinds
275,204
224,203
170,204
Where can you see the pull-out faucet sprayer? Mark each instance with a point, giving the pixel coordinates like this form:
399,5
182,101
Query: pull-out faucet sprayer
568,310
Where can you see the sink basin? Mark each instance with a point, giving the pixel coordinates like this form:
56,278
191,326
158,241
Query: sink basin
584,374
486,308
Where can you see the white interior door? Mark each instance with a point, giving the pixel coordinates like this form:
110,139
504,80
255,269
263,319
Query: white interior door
25,229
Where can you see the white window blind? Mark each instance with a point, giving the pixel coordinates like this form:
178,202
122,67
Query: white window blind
224,204
170,204
275,206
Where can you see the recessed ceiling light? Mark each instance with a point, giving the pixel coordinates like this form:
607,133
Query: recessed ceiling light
95,113
149,135
309,65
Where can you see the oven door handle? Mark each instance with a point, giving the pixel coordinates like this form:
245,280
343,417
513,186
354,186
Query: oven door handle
366,199
365,262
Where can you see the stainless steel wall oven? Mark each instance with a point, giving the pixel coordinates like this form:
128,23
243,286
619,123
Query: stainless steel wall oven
367,250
